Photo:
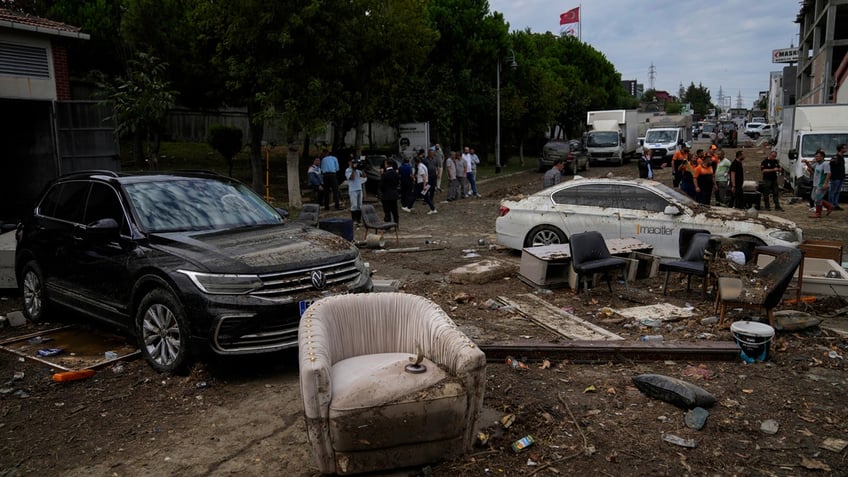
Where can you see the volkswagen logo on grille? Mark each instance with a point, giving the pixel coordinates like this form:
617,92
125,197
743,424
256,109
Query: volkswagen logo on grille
319,280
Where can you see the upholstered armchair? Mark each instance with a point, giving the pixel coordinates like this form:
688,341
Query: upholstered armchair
387,380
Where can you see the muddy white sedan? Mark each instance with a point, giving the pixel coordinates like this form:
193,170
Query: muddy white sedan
619,208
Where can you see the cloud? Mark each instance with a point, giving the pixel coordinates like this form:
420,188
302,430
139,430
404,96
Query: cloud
723,44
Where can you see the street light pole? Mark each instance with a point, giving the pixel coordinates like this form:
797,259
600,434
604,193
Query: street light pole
513,65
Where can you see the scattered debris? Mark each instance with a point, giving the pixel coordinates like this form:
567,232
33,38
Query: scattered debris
67,376
522,443
663,312
679,441
696,418
557,320
507,420
834,445
769,426
516,364
674,391
699,372
813,464
16,319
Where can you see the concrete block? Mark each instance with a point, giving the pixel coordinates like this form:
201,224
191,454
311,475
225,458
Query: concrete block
16,318
484,271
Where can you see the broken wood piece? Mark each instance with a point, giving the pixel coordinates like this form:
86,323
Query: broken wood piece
557,320
615,351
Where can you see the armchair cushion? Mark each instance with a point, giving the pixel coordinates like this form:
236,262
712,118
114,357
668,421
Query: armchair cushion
375,394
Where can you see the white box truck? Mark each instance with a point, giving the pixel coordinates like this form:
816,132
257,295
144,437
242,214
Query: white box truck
804,130
666,136
612,135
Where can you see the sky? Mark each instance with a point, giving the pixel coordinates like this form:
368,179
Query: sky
723,44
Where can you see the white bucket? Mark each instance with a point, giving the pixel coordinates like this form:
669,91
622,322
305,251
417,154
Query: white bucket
753,339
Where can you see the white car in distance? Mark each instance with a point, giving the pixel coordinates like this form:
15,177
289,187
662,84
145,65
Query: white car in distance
620,208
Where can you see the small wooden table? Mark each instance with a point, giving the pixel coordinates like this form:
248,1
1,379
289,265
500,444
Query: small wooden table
550,265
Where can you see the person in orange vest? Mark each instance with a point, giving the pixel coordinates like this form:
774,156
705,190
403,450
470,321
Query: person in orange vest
704,180
680,156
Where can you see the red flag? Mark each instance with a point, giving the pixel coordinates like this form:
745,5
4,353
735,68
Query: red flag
571,16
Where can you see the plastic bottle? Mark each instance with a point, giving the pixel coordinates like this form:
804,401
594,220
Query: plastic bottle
652,338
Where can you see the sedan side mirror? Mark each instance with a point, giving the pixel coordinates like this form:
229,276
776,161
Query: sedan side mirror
671,210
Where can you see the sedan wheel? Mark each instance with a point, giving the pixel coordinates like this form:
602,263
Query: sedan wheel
544,235
163,332
33,292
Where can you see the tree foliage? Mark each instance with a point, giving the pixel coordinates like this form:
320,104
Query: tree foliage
309,63
699,98
227,140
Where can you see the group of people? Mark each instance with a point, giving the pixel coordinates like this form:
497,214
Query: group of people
709,173
418,178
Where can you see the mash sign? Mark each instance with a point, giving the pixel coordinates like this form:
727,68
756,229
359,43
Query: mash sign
784,55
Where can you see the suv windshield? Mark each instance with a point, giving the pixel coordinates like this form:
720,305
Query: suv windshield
198,204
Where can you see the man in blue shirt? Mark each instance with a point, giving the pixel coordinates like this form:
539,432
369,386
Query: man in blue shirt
330,170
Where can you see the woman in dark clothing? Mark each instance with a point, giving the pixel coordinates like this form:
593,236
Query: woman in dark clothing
389,182
687,176
645,167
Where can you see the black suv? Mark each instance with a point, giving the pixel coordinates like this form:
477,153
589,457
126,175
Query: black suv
184,261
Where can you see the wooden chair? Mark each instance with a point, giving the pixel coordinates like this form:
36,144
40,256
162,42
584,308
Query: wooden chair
372,221
590,255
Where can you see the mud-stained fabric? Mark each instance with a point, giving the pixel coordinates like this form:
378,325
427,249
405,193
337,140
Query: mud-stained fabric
398,326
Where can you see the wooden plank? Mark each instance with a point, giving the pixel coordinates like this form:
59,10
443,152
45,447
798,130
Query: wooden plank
613,351
554,319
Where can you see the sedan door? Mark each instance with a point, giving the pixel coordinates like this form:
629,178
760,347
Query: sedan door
643,217
589,206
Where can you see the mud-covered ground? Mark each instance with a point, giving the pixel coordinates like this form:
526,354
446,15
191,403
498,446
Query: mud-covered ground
243,416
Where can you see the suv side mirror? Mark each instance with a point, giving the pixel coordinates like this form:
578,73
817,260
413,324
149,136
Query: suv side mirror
102,229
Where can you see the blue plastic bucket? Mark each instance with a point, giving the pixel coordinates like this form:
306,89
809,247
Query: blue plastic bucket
753,339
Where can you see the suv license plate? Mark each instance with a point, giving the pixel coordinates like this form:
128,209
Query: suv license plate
304,304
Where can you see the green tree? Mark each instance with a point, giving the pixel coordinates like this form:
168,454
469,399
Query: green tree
140,99
699,98
227,140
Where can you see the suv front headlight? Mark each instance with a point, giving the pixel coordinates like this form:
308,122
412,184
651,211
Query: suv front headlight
223,284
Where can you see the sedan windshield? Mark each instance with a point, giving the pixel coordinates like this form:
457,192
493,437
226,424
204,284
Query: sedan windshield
198,204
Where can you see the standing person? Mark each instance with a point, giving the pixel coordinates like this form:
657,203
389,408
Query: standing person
475,161
461,174
722,178
440,157
469,173
646,171
329,171
355,177
453,183
434,173
770,167
315,180
421,186
687,176
737,178
680,156
837,175
821,183
553,175
704,180
407,185
389,182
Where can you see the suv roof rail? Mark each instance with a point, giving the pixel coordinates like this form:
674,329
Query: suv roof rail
89,173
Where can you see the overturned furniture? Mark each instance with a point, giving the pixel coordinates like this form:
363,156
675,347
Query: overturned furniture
387,380
759,288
